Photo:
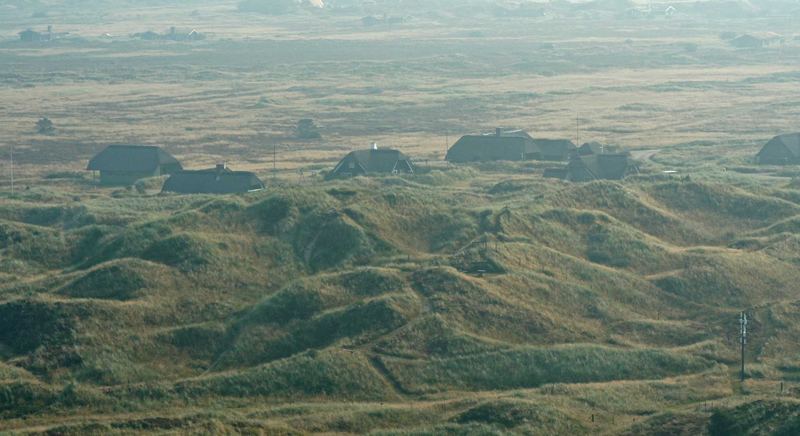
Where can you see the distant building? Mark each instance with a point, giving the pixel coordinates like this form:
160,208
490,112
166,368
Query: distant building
555,149
173,34
218,180
513,145
33,36
757,40
125,164
781,150
306,129
194,35
373,161
608,166
147,36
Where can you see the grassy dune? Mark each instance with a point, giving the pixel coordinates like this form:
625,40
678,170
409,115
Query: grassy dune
474,299
193,298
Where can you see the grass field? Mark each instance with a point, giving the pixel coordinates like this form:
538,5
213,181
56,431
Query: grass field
355,306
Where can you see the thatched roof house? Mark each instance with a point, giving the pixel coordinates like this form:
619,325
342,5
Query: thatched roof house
501,145
555,149
33,36
513,145
757,40
608,166
219,180
373,161
781,150
125,164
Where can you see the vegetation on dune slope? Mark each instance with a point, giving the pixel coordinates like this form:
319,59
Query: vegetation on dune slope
532,367
375,290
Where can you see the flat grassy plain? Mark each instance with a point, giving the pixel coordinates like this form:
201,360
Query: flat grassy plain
462,300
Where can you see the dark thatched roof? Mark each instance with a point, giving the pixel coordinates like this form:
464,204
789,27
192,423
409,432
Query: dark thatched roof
791,141
213,181
609,166
555,149
132,158
502,145
373,161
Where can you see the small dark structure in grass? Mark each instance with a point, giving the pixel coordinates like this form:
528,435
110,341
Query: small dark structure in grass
306,129
45,127
781,150
373,161
219,180
607,166
513,145
125,164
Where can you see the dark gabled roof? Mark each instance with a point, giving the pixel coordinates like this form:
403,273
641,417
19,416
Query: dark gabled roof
382,160
551,147
516,133
612,166
493,140
131,158
513,146
212,181
588,148
790,140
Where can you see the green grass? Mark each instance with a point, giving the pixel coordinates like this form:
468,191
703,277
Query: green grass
533,367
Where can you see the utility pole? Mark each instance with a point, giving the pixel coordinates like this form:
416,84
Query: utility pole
12,169
743,337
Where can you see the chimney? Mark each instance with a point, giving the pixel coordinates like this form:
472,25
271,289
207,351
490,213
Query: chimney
374,145
222,166
498,131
